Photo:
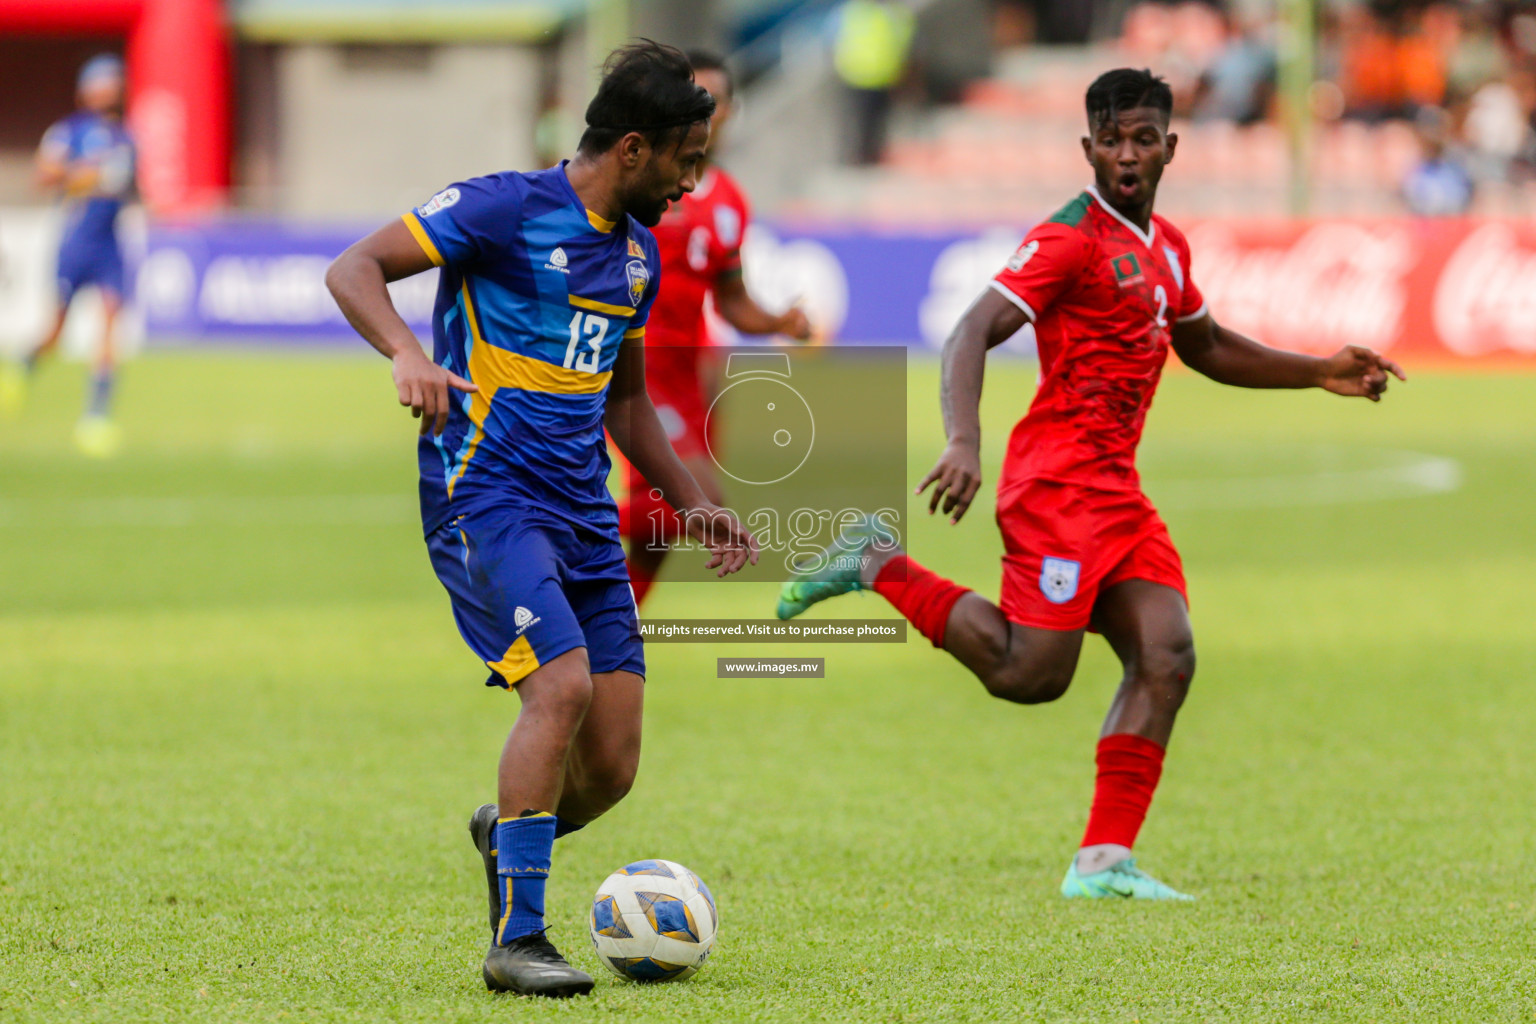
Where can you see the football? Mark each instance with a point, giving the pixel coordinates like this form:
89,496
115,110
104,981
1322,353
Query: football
654,920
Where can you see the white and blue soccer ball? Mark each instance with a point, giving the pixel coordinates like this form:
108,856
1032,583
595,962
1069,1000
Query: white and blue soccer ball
654,920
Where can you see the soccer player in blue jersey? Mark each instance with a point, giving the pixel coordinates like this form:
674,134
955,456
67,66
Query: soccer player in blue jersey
547,280
88,160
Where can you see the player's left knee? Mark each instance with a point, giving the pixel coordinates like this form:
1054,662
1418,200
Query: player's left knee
1169,665
611,782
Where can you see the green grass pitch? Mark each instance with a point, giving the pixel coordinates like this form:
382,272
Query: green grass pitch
239,736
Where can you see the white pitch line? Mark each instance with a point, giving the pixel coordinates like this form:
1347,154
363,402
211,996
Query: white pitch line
1414,474
322,510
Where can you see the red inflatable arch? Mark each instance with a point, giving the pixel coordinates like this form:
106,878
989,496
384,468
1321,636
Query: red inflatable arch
178,86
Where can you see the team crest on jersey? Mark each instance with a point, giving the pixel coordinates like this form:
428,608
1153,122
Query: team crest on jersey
698,248
727,226
638,277
444,199
1058,579
1024,255
636,250
1127,270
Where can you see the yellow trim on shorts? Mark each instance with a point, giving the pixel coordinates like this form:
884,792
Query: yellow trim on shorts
517,663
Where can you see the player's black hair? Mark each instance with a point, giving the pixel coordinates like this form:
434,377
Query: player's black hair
1126,89
708,60
647,87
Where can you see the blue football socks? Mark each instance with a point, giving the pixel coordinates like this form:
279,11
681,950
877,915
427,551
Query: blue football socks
101,393
523,847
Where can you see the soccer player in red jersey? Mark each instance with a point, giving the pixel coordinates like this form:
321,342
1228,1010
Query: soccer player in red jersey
700,243
1107,285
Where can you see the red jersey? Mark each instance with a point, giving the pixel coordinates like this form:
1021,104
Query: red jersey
700,240
1102,294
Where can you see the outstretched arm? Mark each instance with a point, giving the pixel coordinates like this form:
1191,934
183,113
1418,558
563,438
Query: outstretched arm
1231,358
357,281
52,171
631,420
990,321
737,307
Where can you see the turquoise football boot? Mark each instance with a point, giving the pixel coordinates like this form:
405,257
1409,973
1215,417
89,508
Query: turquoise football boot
1121,881
843,562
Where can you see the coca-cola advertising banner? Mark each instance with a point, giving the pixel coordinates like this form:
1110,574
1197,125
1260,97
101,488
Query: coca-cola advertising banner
1462,290
1448,289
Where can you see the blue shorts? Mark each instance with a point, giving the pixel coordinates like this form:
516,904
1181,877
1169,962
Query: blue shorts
87,261
527,587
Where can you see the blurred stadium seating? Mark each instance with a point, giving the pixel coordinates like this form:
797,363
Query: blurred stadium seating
1007,152
984,144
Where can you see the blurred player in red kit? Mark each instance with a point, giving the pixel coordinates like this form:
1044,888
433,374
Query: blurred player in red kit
700,242
1108,286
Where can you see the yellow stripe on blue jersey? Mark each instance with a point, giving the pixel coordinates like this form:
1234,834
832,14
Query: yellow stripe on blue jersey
492,368
423,239
503,369
536,298
601,307
480,400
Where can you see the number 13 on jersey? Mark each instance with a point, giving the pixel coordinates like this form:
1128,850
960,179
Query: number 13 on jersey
594,329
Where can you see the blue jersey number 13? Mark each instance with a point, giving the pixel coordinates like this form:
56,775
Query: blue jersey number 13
596,329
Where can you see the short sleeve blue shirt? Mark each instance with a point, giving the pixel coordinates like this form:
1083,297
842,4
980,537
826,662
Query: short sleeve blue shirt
86,138
535,298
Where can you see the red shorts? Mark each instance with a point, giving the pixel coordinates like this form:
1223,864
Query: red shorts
678,394
1064,544
674,376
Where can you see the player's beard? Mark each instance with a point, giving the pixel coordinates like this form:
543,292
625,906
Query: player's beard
651,213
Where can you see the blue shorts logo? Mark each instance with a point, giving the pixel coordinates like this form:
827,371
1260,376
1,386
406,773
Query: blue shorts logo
1058,579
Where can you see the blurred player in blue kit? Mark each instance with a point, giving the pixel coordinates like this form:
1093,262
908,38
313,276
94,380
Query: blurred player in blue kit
547,280
88,160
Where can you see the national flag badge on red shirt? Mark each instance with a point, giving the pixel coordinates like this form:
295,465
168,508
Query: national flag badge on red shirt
1127,270
635,249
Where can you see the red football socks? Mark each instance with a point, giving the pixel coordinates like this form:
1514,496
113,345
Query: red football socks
1129,767
924,598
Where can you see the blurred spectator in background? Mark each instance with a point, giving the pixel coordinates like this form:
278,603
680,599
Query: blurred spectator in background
1181,40
1524,83
871,44
1240,81
1438,185
1496,129
1475,53
1368,65
1050,22
1421,57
